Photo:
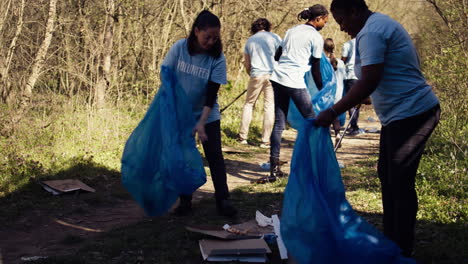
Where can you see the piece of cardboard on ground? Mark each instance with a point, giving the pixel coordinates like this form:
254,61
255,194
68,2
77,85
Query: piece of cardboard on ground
248,229
230,150
57,187
244,250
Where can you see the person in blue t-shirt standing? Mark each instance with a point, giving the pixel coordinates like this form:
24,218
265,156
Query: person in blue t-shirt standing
387,67
259,62
348,56
200,68
300,53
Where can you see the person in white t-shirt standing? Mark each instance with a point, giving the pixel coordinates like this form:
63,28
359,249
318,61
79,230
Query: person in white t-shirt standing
348,56
300,52
388,69
259,61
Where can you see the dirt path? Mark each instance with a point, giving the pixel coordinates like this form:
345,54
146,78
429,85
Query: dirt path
38,234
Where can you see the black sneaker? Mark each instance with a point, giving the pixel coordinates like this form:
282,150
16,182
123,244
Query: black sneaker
225,208
264,180
353,132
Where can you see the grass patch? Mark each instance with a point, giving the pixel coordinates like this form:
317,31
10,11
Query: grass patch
59,140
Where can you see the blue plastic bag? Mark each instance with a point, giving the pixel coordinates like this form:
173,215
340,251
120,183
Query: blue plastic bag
160,160
320,99
318,224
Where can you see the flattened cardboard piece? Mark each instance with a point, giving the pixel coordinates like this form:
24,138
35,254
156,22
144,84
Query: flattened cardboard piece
248,229
252,227
219,232
57,187
246,250
230,150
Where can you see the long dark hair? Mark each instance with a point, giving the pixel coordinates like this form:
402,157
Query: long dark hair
205,20
260,24
312,12
348,4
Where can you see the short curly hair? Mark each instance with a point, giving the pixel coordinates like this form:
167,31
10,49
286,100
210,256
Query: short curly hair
348,4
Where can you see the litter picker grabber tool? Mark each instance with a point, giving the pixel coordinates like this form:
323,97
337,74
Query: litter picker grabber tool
235,99
347,127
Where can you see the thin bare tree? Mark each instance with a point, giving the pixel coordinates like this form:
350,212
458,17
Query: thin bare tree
40,56
103,81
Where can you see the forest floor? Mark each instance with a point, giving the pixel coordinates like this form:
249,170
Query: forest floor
46,232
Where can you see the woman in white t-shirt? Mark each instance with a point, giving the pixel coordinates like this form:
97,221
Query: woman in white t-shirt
388,69
300,52
199,66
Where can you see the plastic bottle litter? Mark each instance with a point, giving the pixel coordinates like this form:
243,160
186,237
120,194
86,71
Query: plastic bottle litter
341,165
265,166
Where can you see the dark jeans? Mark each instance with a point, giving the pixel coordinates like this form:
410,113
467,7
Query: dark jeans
301,99
354,120
214,155
401,146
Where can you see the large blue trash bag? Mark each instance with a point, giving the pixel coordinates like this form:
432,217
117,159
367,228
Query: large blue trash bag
320,99
318,224
160,159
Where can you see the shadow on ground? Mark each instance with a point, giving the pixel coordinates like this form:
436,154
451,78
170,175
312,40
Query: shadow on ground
164,239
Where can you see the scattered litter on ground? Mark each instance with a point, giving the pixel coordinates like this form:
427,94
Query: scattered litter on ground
265,166
34,258
262,220
245,250
245,242
371,119
57,187
341,165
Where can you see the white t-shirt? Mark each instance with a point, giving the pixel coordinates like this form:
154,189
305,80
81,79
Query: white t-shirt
403,91
193,74
261,48
349,51
340,74
300,43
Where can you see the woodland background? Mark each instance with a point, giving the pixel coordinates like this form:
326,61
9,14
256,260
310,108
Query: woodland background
76,77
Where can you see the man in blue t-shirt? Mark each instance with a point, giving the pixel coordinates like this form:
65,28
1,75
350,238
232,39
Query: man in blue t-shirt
387,67
259,62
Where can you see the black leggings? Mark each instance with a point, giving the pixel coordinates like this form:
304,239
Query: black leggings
401,146
214,155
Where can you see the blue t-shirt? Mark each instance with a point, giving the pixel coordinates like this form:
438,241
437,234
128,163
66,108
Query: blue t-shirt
261,48
403,91
300,43
193,74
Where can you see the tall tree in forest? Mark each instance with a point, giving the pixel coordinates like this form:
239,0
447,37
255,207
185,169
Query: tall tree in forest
40,56
6,59
103,81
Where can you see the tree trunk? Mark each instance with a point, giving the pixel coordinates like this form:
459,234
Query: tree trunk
40,56
104,75
5,89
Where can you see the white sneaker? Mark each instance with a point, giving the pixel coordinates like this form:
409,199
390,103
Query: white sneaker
243,141
265,145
